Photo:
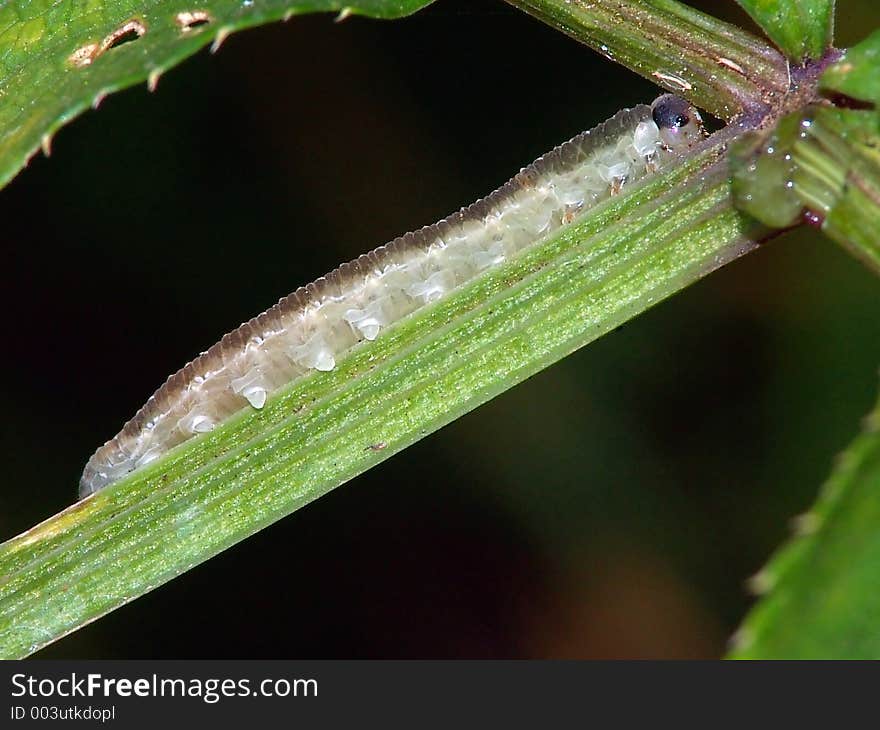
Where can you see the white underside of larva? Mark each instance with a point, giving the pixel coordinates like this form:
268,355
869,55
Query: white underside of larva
315,326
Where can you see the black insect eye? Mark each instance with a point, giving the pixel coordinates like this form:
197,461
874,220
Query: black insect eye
671,112
678,122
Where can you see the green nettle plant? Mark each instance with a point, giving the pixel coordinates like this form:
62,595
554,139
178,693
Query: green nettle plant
801,144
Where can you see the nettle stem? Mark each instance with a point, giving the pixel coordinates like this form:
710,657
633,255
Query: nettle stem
713,64
621,259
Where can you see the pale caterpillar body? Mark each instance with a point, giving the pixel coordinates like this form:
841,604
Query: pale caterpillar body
314,326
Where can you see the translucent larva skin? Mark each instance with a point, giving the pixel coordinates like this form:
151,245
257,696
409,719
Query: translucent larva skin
317,324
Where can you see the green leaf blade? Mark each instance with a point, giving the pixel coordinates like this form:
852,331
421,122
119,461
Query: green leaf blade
857,74
822,599
45,83
803,29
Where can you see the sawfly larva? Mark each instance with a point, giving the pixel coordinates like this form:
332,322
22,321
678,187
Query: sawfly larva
313,327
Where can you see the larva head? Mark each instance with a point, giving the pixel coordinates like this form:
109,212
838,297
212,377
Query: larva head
680,124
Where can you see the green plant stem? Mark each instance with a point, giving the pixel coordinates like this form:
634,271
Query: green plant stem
211,492
719,67
838,177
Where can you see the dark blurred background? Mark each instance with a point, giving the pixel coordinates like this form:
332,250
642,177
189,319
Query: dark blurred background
612,506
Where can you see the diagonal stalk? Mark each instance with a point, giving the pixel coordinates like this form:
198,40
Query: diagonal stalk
713,64
622,258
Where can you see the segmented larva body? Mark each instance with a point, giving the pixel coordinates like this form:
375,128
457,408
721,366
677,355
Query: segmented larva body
311,328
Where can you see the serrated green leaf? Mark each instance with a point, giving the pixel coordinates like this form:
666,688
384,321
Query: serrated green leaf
822,590
857,74
801,28
57,57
